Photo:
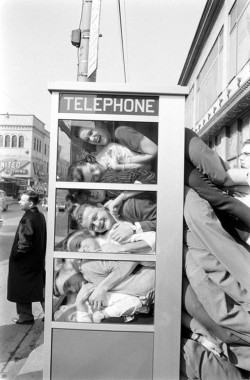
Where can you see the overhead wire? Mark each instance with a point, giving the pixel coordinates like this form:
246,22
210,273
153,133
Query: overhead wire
122,41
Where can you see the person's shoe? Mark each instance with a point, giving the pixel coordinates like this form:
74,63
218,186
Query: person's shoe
18,322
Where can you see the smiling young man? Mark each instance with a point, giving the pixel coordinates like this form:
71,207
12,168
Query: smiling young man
136,215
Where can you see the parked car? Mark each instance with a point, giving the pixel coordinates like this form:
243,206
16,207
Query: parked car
3,201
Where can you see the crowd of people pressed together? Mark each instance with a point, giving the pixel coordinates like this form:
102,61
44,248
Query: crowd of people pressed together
216,255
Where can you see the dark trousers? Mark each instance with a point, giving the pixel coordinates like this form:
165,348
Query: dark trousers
222,202
24,311
212,173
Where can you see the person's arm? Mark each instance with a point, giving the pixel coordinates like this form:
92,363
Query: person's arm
131,162
136,142
131,247
126,164
114,204
122,231
141,214
217,199
26,239
237,176
118,271
83,309
136,161
237,190
205,159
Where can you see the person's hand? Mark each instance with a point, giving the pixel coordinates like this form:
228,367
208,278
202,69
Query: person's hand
121,231
113,205
113,163
149,298
238,190
83,295
98,298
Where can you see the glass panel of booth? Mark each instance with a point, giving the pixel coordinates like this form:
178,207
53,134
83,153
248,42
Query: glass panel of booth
107,151
87,219
80,294
86,230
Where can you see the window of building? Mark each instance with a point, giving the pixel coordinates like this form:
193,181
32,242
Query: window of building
232,144
37,144
244,130
34,143
209,80
7,141
14,142
239,37
45,149
21,142
40,146
1,140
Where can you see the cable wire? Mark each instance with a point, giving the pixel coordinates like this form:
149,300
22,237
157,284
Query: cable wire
122,42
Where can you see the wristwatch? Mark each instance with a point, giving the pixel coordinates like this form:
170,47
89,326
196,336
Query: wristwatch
133,228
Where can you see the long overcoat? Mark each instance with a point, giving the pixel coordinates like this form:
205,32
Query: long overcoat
27,259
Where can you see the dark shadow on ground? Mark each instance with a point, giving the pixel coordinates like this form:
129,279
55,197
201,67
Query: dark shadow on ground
18,341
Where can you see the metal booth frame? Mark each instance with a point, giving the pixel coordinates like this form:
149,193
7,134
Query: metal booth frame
150,351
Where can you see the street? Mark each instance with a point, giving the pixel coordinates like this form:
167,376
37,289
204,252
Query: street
18,343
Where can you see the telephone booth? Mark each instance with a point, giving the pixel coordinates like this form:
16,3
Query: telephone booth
110,142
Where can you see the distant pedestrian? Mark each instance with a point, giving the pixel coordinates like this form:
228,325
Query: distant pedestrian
1,219
26,278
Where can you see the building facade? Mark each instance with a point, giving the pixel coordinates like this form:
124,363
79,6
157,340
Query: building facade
217,72
24,150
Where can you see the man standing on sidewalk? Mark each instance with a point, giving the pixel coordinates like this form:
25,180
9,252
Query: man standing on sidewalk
26,278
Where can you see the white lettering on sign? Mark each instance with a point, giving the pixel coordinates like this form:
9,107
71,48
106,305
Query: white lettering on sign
10,164
68,99
109,104
78,106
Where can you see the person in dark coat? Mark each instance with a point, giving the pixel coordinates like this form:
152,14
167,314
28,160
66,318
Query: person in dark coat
26,278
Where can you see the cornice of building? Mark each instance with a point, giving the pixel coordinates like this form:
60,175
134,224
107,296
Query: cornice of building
14,119
234,108
16,127
208,18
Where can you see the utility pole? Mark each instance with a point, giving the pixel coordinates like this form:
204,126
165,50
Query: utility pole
82,72
86,40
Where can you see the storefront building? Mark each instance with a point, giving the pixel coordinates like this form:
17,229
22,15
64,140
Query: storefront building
24,147
217,72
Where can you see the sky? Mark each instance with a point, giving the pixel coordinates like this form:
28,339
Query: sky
36,49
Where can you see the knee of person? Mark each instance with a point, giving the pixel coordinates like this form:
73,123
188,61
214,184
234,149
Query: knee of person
197,209
191,199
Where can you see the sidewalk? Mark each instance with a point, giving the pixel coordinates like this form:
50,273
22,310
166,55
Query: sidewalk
21,346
